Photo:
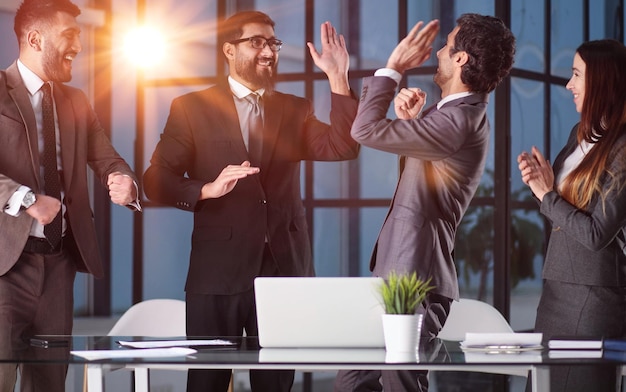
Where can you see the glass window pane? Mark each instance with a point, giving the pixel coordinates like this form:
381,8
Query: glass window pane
485,7
330,245
486,181
378,173
190,33
289,18
566,34
527,243
473,253
563,117
121,258
331,179
528,27
606,20
372,219
167,245
8,45
375,44
597,22
425,11
527,130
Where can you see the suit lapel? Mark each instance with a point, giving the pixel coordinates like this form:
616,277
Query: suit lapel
273,111
26,115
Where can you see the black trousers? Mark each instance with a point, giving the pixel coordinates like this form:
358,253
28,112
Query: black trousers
36,298
231,315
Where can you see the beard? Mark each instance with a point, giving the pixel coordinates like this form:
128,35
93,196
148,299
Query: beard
264,78
54,67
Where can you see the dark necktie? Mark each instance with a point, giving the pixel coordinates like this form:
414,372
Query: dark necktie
52,183
255,130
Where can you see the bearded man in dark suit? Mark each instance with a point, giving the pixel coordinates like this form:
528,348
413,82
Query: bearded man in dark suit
38,267
244,188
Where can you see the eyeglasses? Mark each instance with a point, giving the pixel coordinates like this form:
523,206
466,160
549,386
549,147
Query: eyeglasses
260,42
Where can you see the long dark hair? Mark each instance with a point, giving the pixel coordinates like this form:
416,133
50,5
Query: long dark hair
602,118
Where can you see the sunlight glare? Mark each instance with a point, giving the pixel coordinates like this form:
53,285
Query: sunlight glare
144,46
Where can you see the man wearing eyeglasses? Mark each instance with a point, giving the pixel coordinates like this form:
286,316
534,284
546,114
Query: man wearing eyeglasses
244,189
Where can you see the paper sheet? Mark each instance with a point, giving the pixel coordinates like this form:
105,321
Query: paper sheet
92,355
174,343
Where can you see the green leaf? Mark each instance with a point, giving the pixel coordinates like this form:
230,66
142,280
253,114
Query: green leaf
403,294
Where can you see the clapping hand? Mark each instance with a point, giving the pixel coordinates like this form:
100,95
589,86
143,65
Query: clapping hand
409,103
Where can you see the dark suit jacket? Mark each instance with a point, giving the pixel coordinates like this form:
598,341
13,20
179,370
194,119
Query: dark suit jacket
202,136
83,142
445,153
582,248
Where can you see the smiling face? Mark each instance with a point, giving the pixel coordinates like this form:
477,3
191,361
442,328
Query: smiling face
576,83
254,68
445,69
56,43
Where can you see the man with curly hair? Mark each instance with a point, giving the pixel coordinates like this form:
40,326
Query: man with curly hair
443,152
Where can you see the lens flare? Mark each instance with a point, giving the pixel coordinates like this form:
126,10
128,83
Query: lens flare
144,46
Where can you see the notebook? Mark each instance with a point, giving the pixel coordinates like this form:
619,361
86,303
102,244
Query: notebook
319,312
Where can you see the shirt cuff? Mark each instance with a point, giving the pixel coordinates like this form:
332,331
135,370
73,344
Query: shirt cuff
15,201
390,73
135,204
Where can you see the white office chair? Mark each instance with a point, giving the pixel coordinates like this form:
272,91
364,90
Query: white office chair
470,315
155,318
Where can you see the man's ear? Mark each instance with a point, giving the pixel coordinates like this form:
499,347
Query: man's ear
461,58
34,38
229,50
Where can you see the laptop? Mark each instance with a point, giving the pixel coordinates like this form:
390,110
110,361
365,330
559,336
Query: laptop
319,312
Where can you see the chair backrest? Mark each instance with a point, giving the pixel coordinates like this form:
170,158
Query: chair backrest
470,315
154,317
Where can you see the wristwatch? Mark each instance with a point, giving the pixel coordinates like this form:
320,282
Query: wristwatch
28,200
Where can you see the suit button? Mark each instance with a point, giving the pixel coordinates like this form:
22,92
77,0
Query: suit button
262,201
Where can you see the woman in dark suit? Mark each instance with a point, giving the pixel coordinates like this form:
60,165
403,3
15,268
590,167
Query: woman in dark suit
584,197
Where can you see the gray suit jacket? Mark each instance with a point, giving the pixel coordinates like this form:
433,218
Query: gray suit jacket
445,154
584,246
83,142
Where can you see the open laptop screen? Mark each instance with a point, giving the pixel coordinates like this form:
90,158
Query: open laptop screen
319,312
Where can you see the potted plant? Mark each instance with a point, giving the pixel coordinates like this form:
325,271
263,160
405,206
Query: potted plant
402,294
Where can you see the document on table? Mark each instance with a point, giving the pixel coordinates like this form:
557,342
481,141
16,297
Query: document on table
576,343
575,353
504,342
93,355
175,343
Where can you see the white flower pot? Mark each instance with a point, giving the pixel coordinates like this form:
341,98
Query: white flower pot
402,332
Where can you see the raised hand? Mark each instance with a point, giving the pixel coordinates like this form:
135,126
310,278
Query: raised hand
334,59
415,48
